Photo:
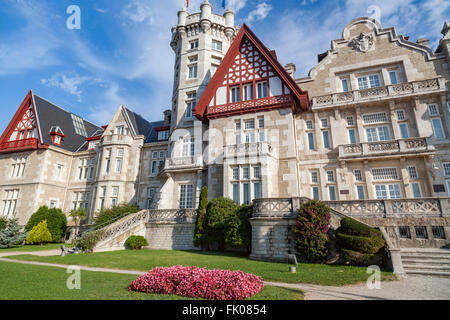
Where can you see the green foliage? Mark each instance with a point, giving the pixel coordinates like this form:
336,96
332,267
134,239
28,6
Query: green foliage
108,216
199,237
136,242
238,231
39,234
313,220
218,212
3,223
56,222
360,259
360,244
12,234
88,240
355,228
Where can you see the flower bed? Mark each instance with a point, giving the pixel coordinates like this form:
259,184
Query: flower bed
197,282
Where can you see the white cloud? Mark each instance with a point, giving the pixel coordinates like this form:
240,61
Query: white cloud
139,11
69,83
260,13
235,5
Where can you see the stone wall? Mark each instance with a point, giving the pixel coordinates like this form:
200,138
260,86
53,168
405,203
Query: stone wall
170,235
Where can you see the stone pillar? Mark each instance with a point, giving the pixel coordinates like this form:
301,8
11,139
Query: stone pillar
318,132
404,177
393,118
359,125
368,179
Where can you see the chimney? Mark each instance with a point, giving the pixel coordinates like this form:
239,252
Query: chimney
423,42
290,69
167,117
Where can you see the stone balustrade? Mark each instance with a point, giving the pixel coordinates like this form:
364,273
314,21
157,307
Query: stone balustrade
247,149
183,163
390,91
116,139
175,215
401,146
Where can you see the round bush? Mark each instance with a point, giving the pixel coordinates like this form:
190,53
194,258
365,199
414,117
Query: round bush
199,283
136,242
368,245
88,240
39,234
360,259
355,228
56,222
313,220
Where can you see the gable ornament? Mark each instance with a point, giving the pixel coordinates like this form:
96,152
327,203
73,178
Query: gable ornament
363,42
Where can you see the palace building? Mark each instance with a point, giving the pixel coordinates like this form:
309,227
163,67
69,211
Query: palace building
371,121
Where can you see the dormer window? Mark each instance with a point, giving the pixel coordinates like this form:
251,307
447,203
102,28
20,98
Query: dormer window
120,130
57,135
163,135
91,145
56,140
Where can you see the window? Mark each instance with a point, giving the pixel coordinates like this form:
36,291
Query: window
236,173
262,90
358,175
393,77
437,128
18,167
404,232
360,192
350,121
10,203
56,139
372,80
91,145
309,125
433,110
362,83
155,155
311,141
344,85
330,176
401,115
59,169
163,135
186,193
120,130
214,68
421,232
236,193
246,187
238,125
80,200
189,108
315,192
412,170
162,154
385,174
52,204
194,44
324,122
446,167
352,136
404,132
248,92
235,94
257,172
448,187
246,173
438,232
314,177
192,71
332,193
154,167
388,191
107,160
378,134
262,136
78,125
375,118
188,147
238,139
150,197
249,124
417,192
257,190
326,139
261,123
217,45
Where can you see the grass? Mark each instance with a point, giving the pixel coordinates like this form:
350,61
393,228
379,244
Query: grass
29,282
32,248
145,260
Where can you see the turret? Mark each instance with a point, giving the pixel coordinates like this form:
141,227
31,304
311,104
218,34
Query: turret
206,15
229,23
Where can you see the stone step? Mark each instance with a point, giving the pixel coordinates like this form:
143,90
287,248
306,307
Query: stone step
426,267
439,262
428,273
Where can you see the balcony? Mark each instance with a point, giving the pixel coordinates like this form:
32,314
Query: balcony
379,93
383,148
19,145
247,149
183,163
116,139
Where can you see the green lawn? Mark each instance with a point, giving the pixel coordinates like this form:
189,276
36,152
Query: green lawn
30,248
27,282
270,271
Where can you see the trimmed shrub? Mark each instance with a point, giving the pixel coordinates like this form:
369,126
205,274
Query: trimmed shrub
56,222
136,242
196,282
218,212
238,231
12,234
3,223
199,236
360,259
355,228
88,240
39,234
107,216
313,219
368,245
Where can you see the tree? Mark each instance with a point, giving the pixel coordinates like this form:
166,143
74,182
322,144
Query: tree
77,216
39,234
199,236
12,234
56,222
238,229
217,215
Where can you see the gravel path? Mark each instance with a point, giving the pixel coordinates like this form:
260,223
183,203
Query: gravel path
410,288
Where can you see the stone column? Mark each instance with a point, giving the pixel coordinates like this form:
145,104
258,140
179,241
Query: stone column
318,132
393,118
368,179
359,125
404,177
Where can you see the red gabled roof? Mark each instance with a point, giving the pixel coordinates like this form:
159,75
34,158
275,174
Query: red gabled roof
300,96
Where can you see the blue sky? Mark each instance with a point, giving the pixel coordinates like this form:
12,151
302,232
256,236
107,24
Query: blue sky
121,54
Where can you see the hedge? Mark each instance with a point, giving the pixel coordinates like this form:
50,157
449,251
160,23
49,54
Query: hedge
360,259
218,214
355,228
361,244
56,222
136,242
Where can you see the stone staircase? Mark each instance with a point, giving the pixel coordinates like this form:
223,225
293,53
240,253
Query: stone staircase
426,261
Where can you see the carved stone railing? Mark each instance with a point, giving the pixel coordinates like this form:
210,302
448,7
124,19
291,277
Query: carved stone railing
244,149
182,162
274,208
402,89
172,215
359,207
417,206
401,146
119,139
